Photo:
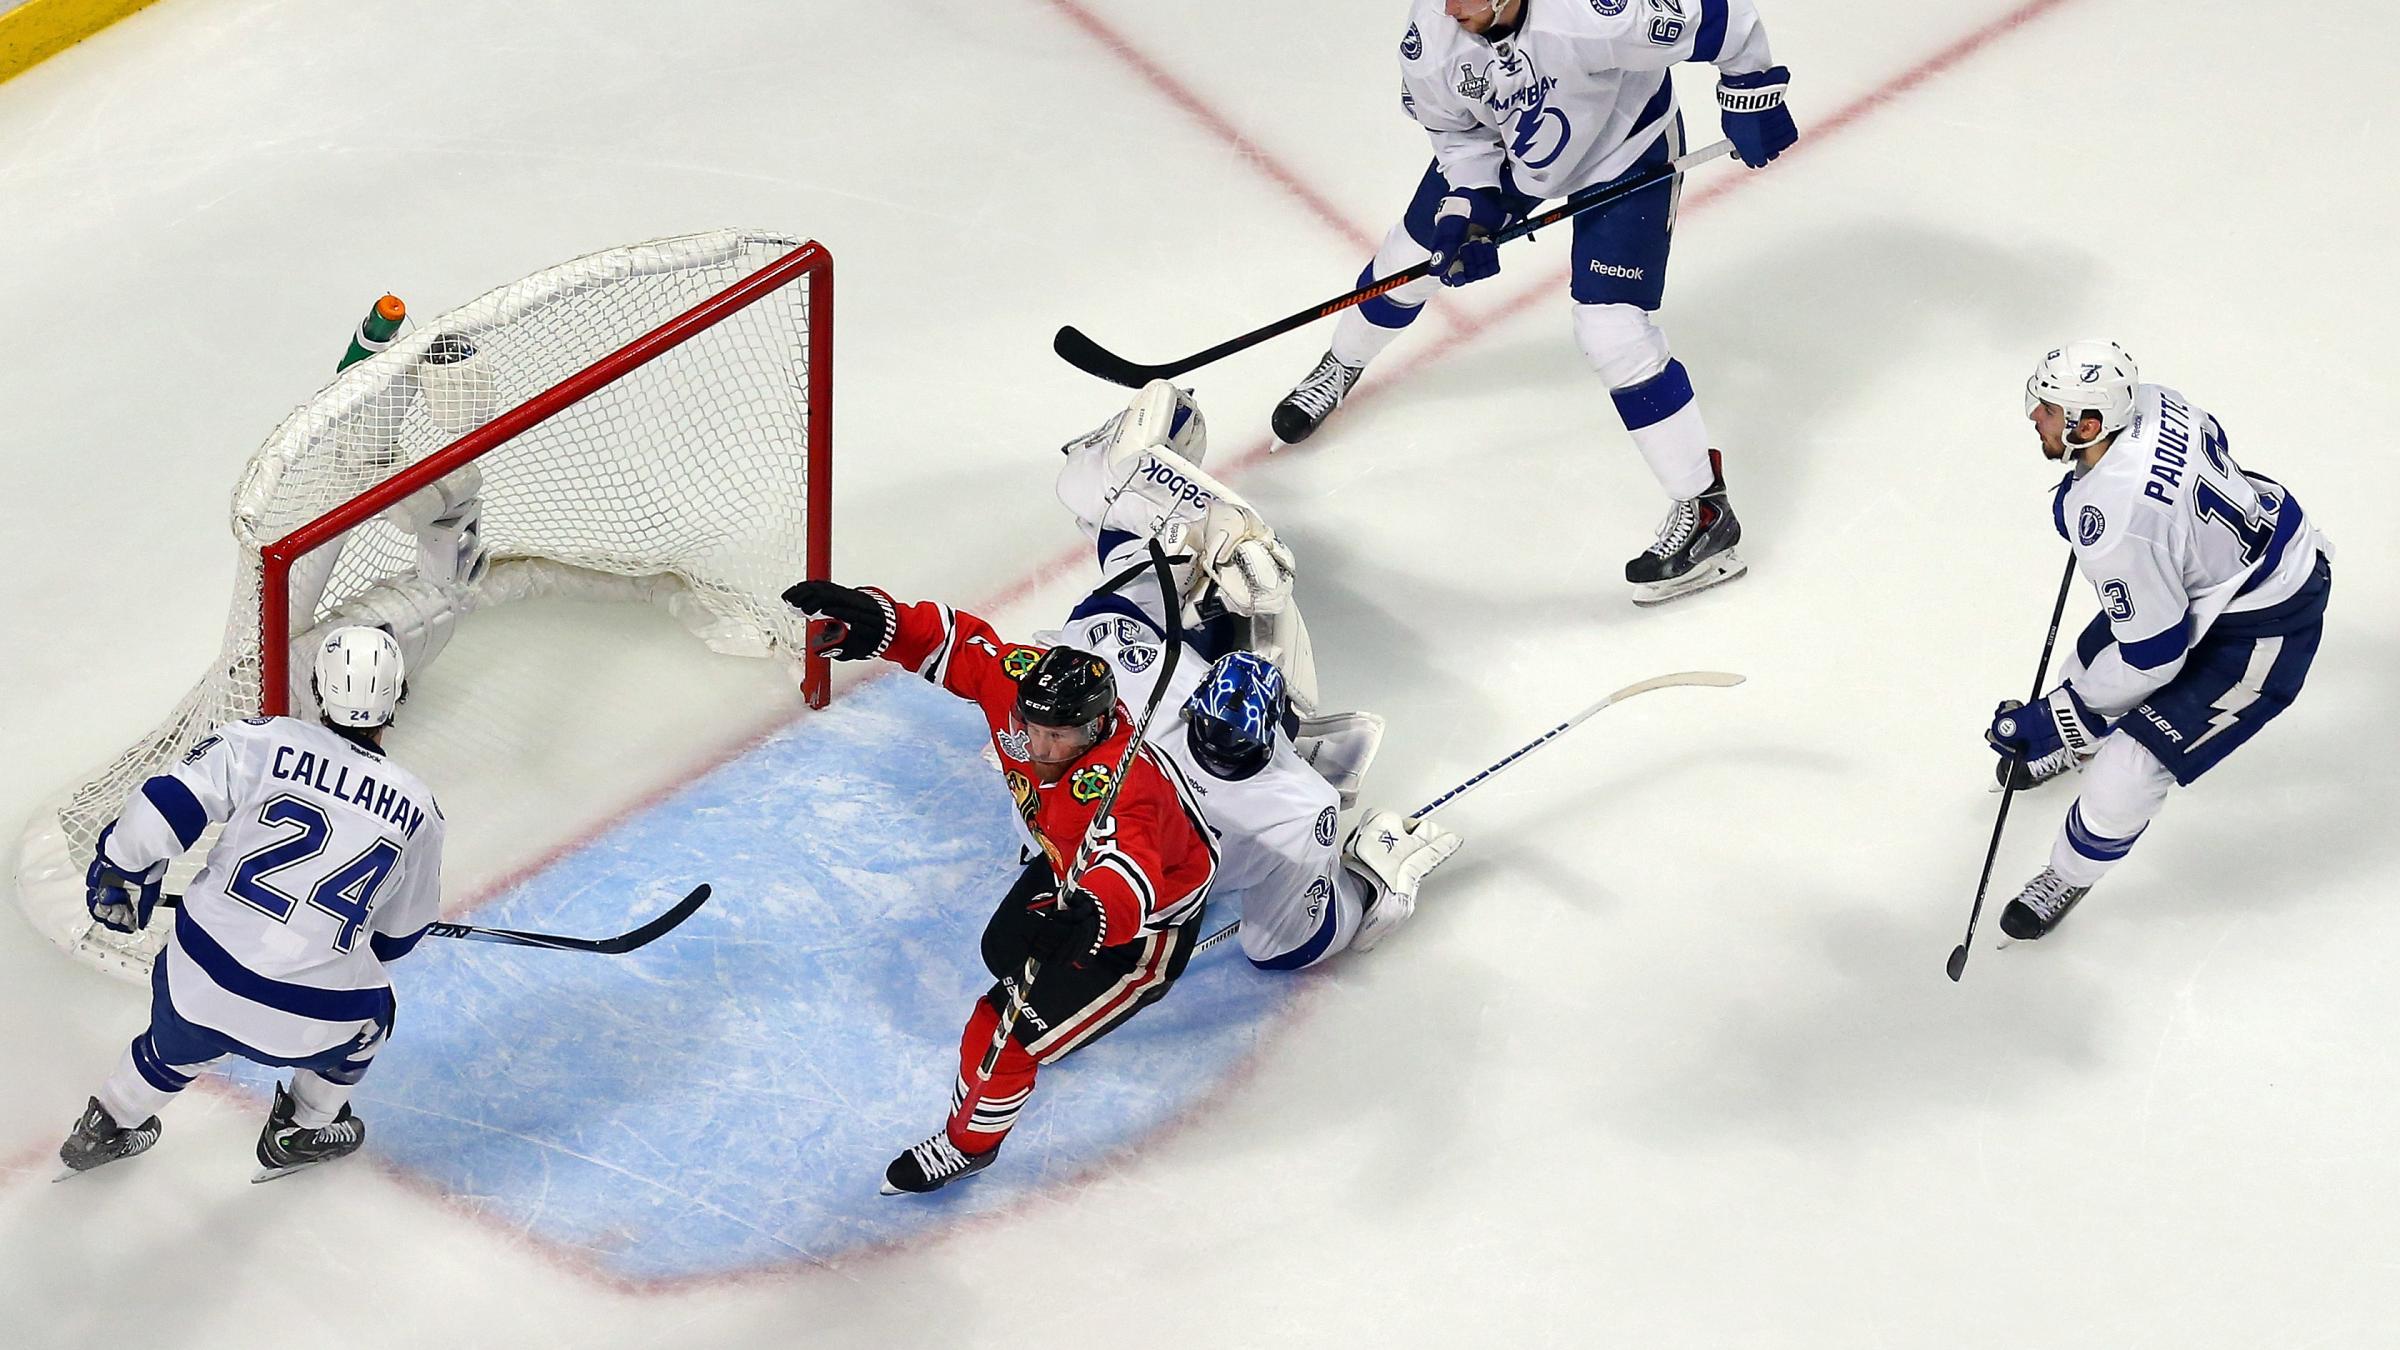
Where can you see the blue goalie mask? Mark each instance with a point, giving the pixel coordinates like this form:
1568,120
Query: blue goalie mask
1234,713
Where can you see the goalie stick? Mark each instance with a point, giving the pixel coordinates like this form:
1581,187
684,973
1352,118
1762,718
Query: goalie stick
1957,965
1711,679
1093,359
608,946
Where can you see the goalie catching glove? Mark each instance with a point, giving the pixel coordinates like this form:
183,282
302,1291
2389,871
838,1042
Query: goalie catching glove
1395,854
866,618
2041,741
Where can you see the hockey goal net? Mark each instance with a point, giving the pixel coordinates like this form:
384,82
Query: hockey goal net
650,422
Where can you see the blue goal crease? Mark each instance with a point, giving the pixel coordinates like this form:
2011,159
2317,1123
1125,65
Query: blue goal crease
728,1096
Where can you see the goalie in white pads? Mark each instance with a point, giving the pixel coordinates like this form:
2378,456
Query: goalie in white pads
1271,772
328,868
2212,586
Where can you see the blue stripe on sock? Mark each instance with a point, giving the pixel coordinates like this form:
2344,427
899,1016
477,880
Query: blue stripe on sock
1383,311
2097,847
1654,400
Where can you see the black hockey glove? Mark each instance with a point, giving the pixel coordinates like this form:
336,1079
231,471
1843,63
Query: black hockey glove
1065,930
866,618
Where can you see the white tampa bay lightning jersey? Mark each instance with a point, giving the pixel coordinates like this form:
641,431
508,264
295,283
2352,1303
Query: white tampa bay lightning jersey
329,862
1574,96
2174,535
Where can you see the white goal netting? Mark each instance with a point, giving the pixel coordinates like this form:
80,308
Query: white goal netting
687,480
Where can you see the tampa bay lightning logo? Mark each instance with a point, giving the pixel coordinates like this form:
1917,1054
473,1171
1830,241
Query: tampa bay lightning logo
1137,659
1608,8
2089,525
2091,374
1412,45
2119,601
1325,820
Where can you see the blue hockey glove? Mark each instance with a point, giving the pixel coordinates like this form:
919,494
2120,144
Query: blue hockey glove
1463,226
2045,739
121,901
1751,108
1065,930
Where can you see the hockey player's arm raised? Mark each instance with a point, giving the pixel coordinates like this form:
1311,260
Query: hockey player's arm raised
949,647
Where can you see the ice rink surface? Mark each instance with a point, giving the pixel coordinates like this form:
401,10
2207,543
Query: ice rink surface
1667,1057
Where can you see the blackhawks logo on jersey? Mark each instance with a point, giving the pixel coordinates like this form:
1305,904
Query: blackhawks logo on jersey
1021,788
1019,662
1089,783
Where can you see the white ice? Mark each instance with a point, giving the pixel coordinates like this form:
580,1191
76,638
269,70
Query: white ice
1667,1058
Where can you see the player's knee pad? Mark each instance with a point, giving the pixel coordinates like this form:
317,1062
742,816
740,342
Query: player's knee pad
1621,343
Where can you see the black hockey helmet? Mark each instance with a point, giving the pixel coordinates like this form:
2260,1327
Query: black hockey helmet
1068,688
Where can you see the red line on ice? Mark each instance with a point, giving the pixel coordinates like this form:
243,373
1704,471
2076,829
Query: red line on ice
1814,132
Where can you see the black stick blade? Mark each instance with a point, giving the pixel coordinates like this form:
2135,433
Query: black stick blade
1958,962
1093,359
658,927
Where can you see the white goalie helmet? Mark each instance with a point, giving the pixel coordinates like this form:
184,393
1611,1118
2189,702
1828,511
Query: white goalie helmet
360,678
2088,375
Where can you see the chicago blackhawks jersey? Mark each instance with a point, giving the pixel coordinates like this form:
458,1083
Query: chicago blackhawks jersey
1151,859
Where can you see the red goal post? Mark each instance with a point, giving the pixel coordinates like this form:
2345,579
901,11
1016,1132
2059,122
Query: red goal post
810,260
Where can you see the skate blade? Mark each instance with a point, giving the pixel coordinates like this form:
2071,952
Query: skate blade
267,1174
1715,572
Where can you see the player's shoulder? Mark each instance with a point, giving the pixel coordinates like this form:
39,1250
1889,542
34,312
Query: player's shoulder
1430,37
1604,18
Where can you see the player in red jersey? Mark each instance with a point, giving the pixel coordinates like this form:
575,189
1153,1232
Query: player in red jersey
1111,945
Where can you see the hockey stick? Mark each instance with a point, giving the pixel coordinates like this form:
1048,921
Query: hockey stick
1712,679
1022,990
608,946
1093,359
1958,956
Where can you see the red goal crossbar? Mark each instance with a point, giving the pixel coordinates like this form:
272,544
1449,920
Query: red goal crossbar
808,260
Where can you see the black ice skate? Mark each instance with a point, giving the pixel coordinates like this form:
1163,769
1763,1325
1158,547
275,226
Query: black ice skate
99,1139
2038,908
932,1165
285,1147
1308,405
1694,549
